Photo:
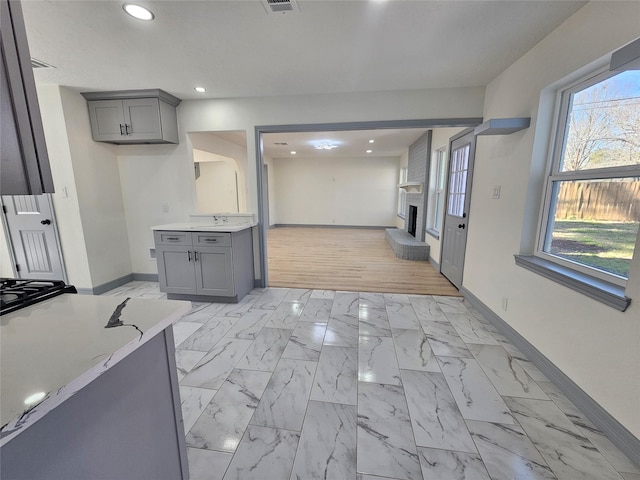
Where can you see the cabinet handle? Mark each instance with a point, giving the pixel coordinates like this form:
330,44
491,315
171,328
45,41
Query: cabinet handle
189,254
173,238
210,239
126,129
121,129
195,256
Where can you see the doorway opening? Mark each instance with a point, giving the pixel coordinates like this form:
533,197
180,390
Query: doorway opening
330,207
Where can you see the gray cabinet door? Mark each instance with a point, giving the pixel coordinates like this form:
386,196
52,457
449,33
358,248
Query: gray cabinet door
107,120
176,269
142,119
214,271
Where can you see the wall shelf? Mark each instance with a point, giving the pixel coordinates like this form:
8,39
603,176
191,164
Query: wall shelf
502,126
411,187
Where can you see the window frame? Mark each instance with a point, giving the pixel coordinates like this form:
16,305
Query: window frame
440,159
554,175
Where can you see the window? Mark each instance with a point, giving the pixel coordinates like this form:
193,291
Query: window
592,201
402,193
435,202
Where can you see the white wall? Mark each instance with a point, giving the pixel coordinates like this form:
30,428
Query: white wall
167,170
335,191
216,189
99,196
595,345
212,143
268,162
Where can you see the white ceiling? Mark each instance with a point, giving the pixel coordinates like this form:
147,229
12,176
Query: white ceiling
387,143
235,49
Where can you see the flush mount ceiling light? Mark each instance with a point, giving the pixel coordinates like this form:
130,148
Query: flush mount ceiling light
200,89
325,146
371,141
137,11
293,152
35,398
369,151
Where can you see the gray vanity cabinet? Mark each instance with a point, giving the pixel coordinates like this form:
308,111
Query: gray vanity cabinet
204,265
135,116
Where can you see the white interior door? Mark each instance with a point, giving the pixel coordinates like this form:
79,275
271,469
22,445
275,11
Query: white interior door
34,240
456,218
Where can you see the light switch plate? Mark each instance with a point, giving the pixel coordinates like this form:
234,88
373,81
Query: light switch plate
496,192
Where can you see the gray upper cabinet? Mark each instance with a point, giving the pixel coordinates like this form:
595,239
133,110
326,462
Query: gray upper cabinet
23,152
133,116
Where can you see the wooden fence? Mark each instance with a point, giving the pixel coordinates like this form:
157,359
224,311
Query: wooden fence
613,201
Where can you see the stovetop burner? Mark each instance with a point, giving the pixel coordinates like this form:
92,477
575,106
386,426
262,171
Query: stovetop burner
16,293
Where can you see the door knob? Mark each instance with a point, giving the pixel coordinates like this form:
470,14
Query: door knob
461,226
46,221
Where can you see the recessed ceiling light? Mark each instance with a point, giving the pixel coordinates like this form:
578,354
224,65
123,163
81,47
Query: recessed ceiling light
137,11
293,152
369,151
371,141
200,89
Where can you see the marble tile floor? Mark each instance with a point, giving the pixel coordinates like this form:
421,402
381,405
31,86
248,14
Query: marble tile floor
294,384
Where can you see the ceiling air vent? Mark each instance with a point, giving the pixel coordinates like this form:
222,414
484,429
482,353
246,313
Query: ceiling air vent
280,6
35,63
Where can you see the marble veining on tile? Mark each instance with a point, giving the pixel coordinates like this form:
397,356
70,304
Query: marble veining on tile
336,375
316,310
327,447
377,361
345,303
264,453
476,397
305,342
224,420
192,402
450,465
426,308
186,360
436,420
183,330
202,312
216,365
342,331
506,449
470,329
460,408
249,325
444,340
374,321
284,401
266,349
414,351
285,316
569,453
505,373
385,437
205,338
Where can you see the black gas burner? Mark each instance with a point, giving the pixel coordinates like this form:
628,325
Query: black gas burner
16,293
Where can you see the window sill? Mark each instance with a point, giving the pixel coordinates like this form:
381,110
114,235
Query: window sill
434,233
599,290
402,216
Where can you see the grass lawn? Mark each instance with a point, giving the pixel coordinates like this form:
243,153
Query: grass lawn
604,245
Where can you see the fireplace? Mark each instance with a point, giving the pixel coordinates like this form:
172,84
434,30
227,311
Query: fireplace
411,220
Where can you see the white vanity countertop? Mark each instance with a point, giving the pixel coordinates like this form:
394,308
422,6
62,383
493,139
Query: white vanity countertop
60,345
206,227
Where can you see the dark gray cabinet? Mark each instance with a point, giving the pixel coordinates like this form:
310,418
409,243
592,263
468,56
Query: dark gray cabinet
23,152
133,116
205,265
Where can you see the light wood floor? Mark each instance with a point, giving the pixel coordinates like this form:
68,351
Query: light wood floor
346,259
